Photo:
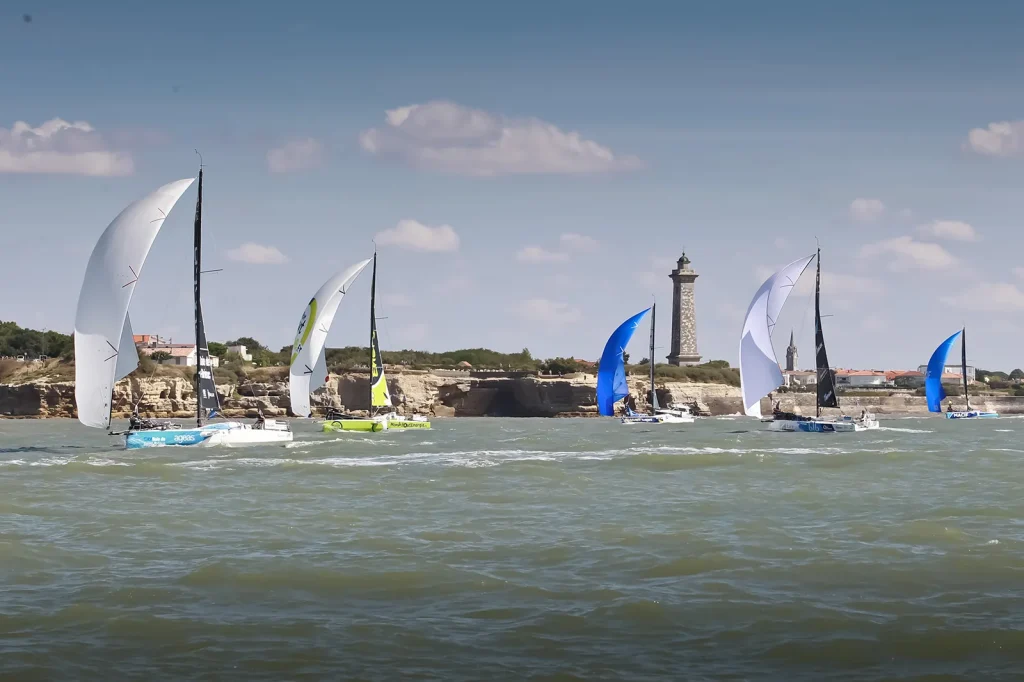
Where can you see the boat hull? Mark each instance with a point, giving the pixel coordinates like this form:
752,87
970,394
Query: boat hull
822,425
230,434
972,414
658,419
361,425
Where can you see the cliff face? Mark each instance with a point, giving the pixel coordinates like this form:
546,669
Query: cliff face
419,393
449,396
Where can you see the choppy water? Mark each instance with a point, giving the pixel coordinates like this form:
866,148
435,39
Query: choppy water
517,549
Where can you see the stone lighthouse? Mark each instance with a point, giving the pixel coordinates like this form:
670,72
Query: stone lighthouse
684,319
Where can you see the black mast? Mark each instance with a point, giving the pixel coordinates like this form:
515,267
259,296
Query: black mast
826,393
206,389
963,365
197,242
650,359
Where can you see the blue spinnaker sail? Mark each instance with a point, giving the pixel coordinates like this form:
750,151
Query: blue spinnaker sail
933,377
611,374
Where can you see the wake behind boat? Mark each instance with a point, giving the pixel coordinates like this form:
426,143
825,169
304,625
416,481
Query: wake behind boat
104,345
936,392
760,373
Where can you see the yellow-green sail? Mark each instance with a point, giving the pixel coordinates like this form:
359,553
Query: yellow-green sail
379,395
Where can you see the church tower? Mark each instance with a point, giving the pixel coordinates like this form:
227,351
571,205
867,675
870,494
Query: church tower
791,354
684,318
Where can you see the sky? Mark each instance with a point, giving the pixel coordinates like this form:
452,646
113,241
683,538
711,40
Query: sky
530,172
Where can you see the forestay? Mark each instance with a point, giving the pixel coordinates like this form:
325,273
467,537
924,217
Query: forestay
759,368
104,348
308,360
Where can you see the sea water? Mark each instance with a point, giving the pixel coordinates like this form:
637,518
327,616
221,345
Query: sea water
511,549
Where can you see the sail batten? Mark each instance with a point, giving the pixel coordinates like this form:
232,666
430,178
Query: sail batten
759,368
611,373
102,328
308,360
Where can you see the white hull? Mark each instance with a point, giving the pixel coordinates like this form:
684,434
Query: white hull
661,417
823,425
243,434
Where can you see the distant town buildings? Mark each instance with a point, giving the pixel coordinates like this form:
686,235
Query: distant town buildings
241,351
179,354
950,370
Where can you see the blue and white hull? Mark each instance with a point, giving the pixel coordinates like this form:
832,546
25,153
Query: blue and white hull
972,414
845,425
220,433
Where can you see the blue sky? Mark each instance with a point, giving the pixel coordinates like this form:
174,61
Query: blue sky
740,131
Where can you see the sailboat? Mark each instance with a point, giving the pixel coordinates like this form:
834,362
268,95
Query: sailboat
934,389
382,415
308,370
104,346
760,373
611,378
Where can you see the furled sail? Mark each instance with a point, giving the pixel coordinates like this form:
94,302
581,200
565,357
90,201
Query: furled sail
826,384
206,389
379,395
104,349
611,374
308,361
759,368
933,375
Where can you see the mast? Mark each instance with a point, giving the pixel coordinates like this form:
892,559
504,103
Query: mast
826,388
197,238
963,365
818,344
654,393
373,329
207,400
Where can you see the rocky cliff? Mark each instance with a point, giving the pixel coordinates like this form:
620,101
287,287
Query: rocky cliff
412,393
430,394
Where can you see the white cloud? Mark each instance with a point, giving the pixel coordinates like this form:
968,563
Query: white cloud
866,210
949,229
445,136
414,235
578,242
396,300
1005,138
544,310
57,146
1019,272
989,297
257,254
535,254
296,155
909,254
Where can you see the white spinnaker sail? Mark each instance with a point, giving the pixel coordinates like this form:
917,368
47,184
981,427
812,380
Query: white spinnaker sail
759,368
104,349
308,364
